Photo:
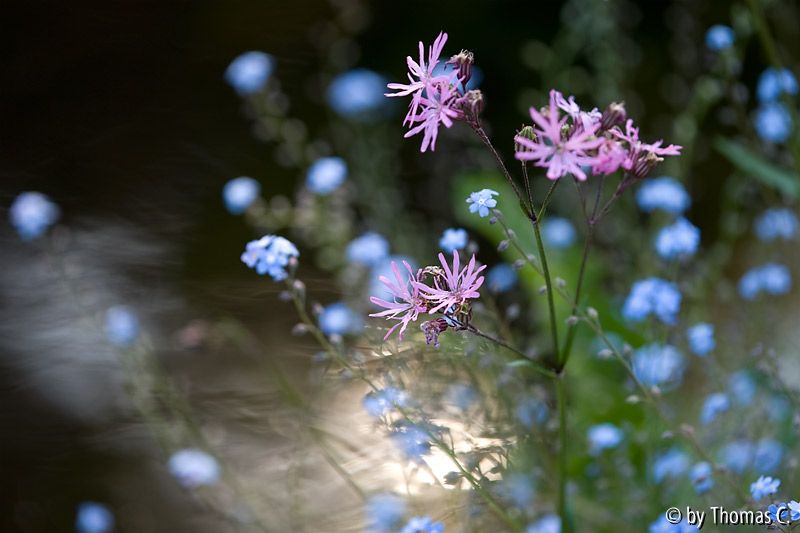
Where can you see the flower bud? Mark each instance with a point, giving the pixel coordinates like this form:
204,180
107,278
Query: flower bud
571,321
526,133
644,164
474,102
614,115
503,246
560,283
299,329
518,264
591,312
463,61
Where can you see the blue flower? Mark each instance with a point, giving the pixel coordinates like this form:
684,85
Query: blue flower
603,437
461,395
777,224
94,517
658,365
481,201
782,512
549,523
715,404
384,511
653,296
249,72
501,278
326,174
670,464
339,319
768,455
742,387
518,489
531,411
662,525
663,193
719,37
678,241
701,477
412,440
773,122
357,94
32,213
453,239
422,524
701,338
381,402
737,456
772,83
194,468
771,278
558,232
122,326
270,255
764,486
369,249
239,193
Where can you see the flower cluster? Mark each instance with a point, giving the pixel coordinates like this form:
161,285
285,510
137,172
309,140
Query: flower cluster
271,255
445,290
567,140
438,96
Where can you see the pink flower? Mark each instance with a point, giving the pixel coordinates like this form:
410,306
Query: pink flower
560,153
439,106
586,120
641,156
407,304
610,156
423,72
454,286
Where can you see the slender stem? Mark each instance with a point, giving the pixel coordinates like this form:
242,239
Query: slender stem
563,475
486,141
546,200
549,284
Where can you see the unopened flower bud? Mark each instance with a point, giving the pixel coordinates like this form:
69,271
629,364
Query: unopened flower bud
317,309
526,133
543,289
493,220
518,264
510,233
299,329
644,164
571,321
633,399
474,102
614,115
299,288
591,312
561,283
463,61
503,246
605,353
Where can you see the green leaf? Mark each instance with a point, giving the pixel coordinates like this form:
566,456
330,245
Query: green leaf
751,163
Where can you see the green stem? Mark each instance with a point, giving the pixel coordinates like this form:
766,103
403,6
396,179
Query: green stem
549,284
563,475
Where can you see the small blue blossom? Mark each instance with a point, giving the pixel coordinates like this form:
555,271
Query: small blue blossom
368,249
122,326
549,523
771,278
678,241
701,338
326,174
670,464
701,477
737,456
453,239
657,365
94,517
783,512
772,83
380,402
714,405
531,411
481,201
558,232
663,193
32,213
719,37
764,486
776,224
653,296
357,94
194,468
501,278
249,72
422,524
768,455
384,511
239,193
412,440
603,437
461,395
339,319
773,122
742,387
662,525
270,255
518,489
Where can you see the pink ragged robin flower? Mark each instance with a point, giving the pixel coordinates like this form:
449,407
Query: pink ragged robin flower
453,287
440,105
407,302
560,152
610,156
642,156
